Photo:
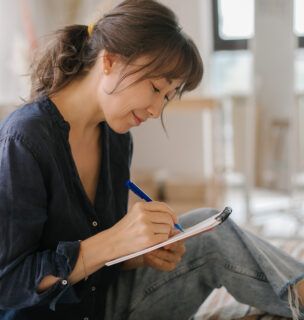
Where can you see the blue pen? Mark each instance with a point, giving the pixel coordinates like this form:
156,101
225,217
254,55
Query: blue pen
134,188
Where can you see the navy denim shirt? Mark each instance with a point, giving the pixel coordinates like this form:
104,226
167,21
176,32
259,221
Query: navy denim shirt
44,212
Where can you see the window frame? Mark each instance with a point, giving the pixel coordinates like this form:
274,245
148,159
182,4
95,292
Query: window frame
220,44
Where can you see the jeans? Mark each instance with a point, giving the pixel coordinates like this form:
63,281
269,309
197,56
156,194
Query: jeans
252,270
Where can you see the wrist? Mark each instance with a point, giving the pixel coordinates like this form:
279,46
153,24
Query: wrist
97,250
111,244
94,252
117,244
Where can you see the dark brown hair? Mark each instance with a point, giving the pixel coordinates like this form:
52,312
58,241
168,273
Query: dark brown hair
132,29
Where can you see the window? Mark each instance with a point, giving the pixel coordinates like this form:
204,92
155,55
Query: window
299,21
229,15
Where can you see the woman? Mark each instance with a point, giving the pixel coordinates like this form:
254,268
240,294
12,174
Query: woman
64,159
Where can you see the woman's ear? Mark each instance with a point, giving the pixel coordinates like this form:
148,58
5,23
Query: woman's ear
109,60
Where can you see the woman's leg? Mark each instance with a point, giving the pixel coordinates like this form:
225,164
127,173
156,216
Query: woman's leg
252,270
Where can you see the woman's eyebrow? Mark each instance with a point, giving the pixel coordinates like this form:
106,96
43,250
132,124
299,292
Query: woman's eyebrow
170,82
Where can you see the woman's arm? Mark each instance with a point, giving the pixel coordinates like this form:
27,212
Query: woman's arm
85,266
23,213
94,252
144,225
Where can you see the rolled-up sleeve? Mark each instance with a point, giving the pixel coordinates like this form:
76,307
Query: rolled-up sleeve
23,213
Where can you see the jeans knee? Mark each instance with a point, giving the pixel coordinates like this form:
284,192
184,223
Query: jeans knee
195,216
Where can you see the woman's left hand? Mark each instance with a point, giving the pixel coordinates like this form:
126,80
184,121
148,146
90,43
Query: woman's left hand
167,257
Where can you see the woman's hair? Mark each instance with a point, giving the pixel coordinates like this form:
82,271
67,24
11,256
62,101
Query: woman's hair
133,29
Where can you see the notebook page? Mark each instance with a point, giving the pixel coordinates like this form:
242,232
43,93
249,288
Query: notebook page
200,227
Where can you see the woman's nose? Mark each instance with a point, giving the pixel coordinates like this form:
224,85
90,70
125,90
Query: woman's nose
156,109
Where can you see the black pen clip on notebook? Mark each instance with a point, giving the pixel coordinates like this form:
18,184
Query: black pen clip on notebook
224,214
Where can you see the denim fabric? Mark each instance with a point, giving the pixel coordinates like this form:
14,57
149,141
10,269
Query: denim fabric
252,270
44,212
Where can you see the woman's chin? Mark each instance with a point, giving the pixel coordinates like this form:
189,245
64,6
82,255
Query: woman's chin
119,129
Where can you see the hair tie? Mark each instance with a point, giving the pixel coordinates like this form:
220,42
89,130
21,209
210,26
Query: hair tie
90,29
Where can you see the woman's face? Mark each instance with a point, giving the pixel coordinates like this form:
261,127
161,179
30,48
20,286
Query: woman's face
132,103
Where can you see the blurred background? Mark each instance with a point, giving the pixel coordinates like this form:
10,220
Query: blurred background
238,140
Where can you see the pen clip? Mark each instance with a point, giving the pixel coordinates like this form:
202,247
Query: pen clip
224,214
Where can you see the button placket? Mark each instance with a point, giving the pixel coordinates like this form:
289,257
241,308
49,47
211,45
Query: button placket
64,282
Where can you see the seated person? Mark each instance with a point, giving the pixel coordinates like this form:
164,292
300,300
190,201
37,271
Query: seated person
64,159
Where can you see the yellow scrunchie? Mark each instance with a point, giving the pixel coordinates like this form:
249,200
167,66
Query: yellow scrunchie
90,29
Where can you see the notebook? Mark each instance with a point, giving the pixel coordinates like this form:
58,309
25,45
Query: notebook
203,226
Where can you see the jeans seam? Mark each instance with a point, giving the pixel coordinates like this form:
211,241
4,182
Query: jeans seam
258,275
192,265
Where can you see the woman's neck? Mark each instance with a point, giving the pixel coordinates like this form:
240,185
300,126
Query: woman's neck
78,104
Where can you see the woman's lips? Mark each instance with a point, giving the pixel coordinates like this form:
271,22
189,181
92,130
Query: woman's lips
137,119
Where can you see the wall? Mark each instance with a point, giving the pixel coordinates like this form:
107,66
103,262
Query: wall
182,153
179,154
274,53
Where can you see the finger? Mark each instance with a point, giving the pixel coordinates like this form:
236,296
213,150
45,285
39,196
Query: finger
178,247
174,232
157,263
181,249
160,207
160,237
160,228
166,255
160,217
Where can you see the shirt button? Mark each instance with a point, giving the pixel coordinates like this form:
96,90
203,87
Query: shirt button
93,288
64,282
94,223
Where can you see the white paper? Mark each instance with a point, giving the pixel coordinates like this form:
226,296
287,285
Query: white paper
200,227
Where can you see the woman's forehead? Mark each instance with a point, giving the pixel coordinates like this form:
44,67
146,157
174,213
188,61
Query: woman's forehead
144,67
152,65
174,83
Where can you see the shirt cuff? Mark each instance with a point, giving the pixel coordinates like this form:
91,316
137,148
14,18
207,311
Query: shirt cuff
66,257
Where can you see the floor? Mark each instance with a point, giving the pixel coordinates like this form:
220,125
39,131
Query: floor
274,214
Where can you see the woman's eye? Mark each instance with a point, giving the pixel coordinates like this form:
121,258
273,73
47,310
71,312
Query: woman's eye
171,95
155,89
167,97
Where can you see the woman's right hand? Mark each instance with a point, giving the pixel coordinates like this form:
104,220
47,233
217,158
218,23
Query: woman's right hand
145,224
